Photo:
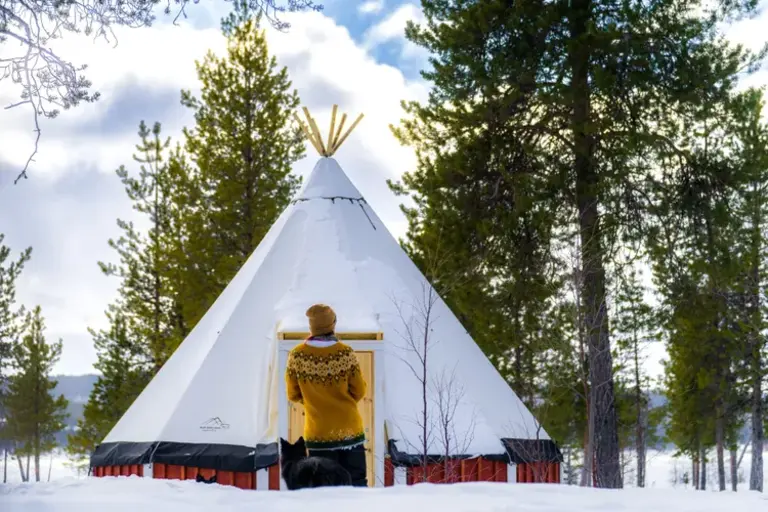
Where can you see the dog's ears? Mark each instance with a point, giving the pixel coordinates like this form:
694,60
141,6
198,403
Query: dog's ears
201,479
284,445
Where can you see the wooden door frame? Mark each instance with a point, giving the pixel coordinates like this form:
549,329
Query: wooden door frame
372,342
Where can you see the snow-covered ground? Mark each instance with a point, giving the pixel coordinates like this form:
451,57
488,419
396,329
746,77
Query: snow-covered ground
69,493
132,493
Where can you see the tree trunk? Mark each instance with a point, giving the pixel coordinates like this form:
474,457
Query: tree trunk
640,419
608,470
424,383
757,417
21,468
640,456
37,454
50,466
703,486
521,382
741,457
720,445
29,459
588,466
695,472
734,470
5,465
622,461
589,450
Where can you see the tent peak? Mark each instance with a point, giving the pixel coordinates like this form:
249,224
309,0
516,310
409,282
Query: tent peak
334,141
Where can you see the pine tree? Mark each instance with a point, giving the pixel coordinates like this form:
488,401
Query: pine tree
634,327
589,92
148,296
11,326
145,324
208,205
563,388
489,209
698,269
241,151
752,151
123,375
10,313
35,416
690,398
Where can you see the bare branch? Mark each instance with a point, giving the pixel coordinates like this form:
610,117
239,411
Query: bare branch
441,394
448,394
47,82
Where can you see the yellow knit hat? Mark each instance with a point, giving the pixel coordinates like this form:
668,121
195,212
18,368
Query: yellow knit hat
322,319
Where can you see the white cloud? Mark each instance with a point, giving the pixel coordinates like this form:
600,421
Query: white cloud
392,29
750,32
111,69
69,224
371,7
393,26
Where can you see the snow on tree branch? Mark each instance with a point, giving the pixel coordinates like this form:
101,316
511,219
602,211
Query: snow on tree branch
48,83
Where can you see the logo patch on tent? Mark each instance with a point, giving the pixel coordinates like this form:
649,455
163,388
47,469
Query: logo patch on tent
214,424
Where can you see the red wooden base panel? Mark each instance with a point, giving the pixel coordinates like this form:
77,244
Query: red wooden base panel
474,470
240,479
451,471
539,472
467,470
125,470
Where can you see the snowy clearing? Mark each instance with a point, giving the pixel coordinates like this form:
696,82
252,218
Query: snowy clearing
68,493
133,493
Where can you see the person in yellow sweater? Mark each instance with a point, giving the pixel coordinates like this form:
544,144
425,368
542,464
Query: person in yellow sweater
324,375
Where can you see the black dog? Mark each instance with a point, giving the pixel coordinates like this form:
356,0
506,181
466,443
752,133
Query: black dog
300,471
200,478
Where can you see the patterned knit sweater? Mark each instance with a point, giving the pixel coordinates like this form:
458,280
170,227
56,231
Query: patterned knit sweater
327,380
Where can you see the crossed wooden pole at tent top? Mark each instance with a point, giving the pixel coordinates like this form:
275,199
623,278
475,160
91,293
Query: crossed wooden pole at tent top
335,141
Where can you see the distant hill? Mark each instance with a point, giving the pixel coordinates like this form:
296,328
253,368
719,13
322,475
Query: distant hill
76,389
658,399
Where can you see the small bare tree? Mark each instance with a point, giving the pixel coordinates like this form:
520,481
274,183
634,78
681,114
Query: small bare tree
532,449
440,393
448,395
417,319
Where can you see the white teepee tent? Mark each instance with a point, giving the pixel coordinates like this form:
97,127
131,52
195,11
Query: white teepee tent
219,401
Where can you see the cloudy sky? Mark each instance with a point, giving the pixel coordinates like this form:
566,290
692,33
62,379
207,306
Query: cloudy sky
353,54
